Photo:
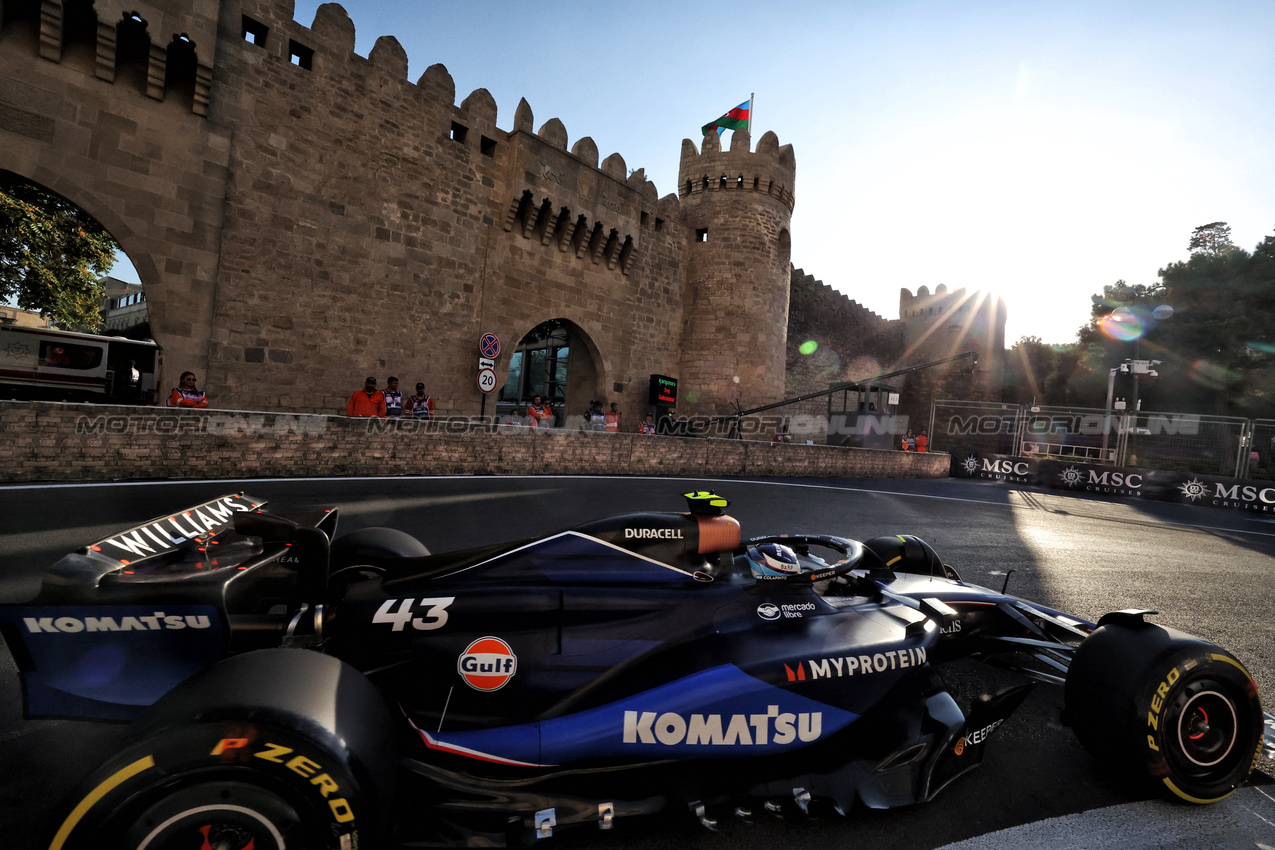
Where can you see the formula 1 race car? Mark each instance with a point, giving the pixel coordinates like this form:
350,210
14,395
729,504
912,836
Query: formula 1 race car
289,687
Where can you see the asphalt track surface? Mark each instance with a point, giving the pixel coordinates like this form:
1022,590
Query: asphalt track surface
1209,572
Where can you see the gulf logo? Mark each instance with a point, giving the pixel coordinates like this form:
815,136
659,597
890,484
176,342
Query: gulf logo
487,664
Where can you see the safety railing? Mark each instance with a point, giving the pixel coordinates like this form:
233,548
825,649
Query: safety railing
1186,442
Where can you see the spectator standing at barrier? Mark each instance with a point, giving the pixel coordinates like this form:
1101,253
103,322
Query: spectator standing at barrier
612,419
538,414
908,443
922,442
647,425
134,381
596,418
186,394
419,406
366,402
393,398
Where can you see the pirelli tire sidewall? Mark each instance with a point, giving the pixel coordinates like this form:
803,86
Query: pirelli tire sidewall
1133,693
296,741
309,794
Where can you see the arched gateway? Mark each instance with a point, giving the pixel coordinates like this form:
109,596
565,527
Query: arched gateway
558,361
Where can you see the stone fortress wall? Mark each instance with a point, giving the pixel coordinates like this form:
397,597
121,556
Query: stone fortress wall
302,217
849,342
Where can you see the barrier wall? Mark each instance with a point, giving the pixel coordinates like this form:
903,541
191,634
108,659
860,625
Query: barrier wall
50,441
1123,483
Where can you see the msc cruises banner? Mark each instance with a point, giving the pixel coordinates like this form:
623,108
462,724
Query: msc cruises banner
1124,482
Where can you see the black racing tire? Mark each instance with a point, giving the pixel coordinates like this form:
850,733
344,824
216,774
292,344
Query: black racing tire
277,749
906,553
374,547
1169,712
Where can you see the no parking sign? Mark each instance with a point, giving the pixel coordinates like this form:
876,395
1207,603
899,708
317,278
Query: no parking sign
489,345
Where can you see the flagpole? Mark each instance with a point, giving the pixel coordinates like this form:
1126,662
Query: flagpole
751,95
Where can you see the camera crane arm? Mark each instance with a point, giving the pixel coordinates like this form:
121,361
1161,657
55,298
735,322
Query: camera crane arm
849,385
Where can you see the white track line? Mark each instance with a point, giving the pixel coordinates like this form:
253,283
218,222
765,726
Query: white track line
769,482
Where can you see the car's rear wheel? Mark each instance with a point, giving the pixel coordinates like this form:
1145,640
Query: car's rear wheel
369,553
1167,710
373,546
272,749
230,815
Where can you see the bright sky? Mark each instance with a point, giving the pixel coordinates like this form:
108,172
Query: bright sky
1042,150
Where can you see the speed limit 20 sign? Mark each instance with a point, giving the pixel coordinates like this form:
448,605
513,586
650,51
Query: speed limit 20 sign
488,350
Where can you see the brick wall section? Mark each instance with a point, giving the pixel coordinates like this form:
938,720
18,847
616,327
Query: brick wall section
65,442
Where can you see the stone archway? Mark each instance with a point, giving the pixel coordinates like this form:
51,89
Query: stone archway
558,360
85,115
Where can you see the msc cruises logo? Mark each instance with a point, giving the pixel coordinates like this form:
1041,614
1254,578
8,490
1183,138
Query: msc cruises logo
970,465
1194,489
1071,476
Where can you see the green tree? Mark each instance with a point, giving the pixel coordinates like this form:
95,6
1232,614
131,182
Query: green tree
52,254
1210,320
1222,334
1028,364
1212,239
1050,374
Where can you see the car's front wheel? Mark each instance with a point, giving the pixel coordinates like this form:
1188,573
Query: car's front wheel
1165,709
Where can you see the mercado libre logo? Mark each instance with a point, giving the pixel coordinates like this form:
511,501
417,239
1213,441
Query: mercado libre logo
1072,476
970,464
1194,489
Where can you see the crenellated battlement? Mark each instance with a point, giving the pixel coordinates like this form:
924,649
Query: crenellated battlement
830,298
326,50
944,301
174,44
770,170
923,292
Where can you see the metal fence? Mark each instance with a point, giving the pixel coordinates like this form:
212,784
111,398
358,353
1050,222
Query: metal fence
1261,450
1211,445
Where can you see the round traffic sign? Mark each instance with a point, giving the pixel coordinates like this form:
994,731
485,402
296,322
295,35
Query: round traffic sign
486,380
489,345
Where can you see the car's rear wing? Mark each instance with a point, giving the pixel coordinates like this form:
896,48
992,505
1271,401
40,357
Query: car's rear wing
183,529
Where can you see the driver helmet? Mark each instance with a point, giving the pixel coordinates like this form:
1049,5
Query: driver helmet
773,560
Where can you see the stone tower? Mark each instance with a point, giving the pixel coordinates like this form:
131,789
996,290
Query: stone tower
943,324
736,206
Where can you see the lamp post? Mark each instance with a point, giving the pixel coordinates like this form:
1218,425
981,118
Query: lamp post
1135,366
1111,386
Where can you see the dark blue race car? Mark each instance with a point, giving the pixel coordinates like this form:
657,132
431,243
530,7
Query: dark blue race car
292,688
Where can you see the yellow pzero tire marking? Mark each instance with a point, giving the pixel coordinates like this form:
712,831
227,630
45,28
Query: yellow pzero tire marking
108,785
894,560
1229,660
1202,801
1169,783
